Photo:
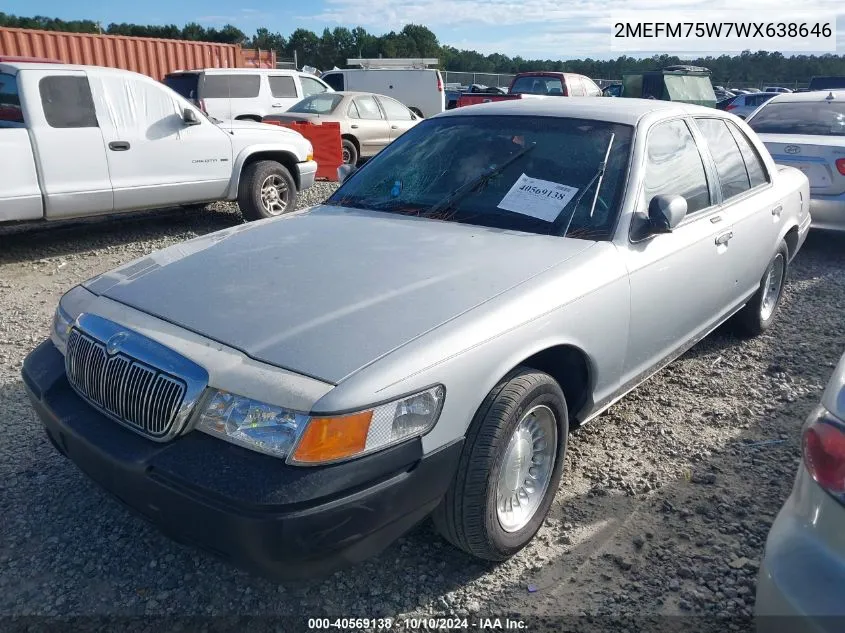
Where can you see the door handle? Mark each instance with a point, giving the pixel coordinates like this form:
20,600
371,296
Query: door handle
276,105
724,238
777,210
353,126
394,127
119,146
715,219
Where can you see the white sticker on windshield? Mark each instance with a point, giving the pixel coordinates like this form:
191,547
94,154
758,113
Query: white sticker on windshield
541,199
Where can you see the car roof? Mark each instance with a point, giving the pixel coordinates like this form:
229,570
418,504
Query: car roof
238,71
811,95
14,67
626,111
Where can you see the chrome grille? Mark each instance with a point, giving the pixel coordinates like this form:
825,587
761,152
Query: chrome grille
132,392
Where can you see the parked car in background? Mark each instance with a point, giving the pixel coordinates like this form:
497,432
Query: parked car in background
244,93
807,130
776,89
420,89
423,342
613,90
87,140
538,84
683,84
803,568
827,83
368,122
743,105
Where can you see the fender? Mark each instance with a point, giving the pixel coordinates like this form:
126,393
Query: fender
240,160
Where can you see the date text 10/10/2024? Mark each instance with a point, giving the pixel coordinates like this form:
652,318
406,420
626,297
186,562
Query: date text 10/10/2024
416,624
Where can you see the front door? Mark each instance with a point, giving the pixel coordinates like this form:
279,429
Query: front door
154,157
400,118
677,279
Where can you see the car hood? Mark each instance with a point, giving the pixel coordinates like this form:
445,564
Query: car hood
256,129
327,291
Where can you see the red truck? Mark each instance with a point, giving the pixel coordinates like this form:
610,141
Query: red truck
538,84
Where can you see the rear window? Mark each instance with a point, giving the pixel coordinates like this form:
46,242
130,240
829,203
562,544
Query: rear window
318,104
537,86
10,102
185,85
67,102
820,118
216,86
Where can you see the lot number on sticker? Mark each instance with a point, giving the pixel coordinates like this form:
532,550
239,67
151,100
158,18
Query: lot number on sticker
541,199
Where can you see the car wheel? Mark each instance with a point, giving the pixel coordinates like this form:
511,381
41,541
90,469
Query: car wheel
349,152
510,467
760,313
266,190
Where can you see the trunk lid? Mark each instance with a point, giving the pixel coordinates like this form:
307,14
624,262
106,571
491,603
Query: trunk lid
816,156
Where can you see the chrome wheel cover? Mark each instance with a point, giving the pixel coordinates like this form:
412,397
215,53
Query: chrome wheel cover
526,468
772,285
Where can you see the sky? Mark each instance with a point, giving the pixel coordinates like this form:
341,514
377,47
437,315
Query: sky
553,29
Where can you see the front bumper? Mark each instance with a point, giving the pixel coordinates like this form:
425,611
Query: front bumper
799,588
828,212
307,174
280,521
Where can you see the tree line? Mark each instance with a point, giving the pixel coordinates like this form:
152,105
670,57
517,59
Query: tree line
334,46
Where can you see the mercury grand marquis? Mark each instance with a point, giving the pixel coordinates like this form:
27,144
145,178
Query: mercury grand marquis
294,394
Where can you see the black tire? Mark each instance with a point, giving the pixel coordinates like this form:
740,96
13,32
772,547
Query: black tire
467,516
350,152
751,321
254,177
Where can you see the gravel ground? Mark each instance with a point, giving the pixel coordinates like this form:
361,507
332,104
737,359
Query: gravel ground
664,508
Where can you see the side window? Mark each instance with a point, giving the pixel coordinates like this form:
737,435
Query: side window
282,86
217,86
352,111
674,166
10,102
394,110
753,163
729,163
590,87
335,80
576,88
367,108
311,86
140,108
67,102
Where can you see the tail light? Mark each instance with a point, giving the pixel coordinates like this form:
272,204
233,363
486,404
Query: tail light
824,452
731,106
202,105
840,165
439,83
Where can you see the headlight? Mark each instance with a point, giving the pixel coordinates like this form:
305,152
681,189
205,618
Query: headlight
304,439
60,330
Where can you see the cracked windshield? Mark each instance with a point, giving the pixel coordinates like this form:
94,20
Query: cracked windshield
553,176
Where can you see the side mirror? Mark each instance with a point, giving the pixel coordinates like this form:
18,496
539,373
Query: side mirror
190,117
344,172
413,117
666,212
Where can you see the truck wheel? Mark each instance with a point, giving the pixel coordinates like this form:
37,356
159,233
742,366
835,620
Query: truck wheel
349,152
510,468
266,190
760,313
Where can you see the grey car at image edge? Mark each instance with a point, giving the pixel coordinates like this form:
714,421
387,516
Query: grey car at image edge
294,394
802,575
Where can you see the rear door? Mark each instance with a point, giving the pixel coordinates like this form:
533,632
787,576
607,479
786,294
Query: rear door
368,124
68,142
230,96
20,195
284,92
747,201
400,118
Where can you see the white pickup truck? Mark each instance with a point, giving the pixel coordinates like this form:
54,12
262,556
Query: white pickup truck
80,141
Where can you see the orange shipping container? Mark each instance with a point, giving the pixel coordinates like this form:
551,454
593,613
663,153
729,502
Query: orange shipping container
147,55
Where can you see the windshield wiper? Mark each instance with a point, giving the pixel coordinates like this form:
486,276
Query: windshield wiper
596,177
475,183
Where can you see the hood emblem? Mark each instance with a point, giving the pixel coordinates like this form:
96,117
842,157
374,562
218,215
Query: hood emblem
114,343
792,149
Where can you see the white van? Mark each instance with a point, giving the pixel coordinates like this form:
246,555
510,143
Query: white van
244,93
420,89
